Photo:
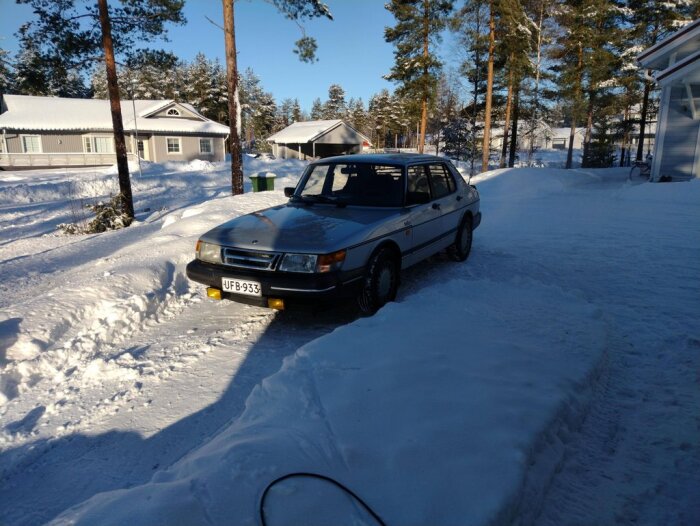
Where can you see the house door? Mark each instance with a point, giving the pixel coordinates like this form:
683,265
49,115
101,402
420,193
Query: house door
143,149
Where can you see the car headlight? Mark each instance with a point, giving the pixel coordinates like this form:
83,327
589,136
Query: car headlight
208,252
312,263
298,263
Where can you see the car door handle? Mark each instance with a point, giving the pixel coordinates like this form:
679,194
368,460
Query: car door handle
436,206
407,223
459,198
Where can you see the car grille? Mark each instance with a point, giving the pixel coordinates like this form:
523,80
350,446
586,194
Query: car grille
234,257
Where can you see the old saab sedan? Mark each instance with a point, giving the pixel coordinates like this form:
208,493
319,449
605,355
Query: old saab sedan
350,226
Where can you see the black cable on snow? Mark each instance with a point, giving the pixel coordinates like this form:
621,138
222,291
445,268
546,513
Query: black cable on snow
320,477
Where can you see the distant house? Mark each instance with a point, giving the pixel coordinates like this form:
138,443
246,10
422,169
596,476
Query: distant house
676,62
313,139
60,132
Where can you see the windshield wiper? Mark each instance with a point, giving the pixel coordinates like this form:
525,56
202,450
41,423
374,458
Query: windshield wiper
326,199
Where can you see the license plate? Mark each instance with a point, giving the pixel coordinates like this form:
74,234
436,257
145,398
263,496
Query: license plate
241,286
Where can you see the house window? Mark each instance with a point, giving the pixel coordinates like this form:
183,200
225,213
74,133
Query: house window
205,146
559,144
31,144
173,112
98,144
173,144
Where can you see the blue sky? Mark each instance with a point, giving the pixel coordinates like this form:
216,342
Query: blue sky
352,51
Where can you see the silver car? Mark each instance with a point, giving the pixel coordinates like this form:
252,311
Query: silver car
350,226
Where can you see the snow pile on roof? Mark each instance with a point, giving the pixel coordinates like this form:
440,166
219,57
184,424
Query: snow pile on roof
303,132
32,113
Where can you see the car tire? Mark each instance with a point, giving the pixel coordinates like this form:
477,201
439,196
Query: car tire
380,284
459,251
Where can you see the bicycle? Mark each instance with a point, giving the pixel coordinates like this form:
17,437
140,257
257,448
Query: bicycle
640,172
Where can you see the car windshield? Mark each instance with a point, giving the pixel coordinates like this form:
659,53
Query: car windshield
361,184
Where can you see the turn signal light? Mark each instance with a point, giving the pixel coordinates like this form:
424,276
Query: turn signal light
275,303
213,293
328,262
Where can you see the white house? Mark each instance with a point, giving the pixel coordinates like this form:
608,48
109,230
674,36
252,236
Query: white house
312,139
59,132
676,63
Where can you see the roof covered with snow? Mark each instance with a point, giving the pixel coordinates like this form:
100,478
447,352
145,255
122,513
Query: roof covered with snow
308,131
24,112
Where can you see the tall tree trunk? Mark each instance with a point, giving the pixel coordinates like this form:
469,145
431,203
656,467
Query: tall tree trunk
534,122
626,137
575,109
589,131
424,102
116,109
643,120
232,87
514,133
506,122
489,90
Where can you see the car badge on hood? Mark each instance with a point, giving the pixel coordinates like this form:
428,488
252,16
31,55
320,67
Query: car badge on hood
255,241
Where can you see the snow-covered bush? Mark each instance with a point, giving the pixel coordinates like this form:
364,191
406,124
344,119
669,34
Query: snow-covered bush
108,216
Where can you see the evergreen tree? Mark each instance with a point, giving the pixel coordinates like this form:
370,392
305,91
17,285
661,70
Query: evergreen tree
316,110
31,70
286,112
7,80
418,27
297,114
471,24
356,116
65,38
334,108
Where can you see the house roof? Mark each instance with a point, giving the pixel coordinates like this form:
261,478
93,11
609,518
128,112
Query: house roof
308,131
683,42
30,113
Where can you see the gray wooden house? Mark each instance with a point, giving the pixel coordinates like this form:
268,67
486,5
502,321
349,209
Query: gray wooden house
60,132
676,65
313,139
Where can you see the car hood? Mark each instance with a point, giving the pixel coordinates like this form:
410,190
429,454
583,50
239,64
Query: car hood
302,228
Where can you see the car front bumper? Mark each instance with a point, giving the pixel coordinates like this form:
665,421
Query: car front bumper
297,287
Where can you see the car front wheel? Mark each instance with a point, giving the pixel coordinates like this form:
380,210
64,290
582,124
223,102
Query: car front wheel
459,251
380,284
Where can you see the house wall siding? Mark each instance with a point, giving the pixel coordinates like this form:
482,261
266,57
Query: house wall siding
681,139
341,135
189,147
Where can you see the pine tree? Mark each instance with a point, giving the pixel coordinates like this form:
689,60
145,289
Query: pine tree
316,110
334,108
65,37
418,27
297,114
7,80
356,116
471,24
305,48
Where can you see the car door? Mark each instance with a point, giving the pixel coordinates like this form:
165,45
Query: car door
423,217
448,201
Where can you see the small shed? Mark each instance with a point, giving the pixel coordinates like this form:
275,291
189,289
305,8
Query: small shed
676,63
314,139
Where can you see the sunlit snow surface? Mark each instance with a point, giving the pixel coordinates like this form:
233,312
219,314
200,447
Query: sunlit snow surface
550,379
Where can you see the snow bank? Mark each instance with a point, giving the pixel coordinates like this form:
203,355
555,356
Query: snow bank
427,415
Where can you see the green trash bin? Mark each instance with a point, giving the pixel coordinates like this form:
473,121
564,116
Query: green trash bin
263,181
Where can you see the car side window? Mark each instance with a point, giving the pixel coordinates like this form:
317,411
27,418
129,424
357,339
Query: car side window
441,180
418,186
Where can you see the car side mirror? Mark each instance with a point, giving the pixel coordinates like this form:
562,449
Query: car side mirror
289,191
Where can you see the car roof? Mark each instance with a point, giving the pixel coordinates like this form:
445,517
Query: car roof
402,159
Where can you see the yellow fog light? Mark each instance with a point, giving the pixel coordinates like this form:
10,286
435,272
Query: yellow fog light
213,293
275,303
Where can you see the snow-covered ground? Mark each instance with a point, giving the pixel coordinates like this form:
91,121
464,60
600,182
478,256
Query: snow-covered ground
550,379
